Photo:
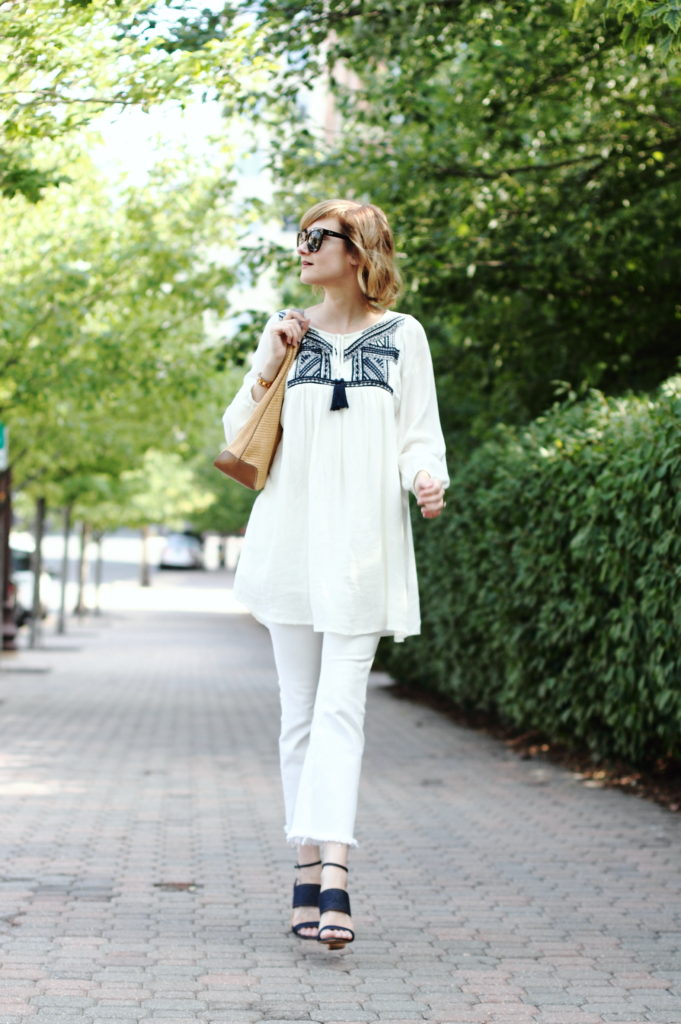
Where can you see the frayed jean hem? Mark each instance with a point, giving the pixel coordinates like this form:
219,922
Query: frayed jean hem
309,841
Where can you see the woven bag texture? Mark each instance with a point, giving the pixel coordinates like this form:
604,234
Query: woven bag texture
249,457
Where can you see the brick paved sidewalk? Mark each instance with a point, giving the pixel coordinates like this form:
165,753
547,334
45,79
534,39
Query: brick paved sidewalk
145,878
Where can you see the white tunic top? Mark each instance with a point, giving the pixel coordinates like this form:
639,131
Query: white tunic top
329,539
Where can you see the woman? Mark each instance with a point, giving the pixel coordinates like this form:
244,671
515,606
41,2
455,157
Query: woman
328,563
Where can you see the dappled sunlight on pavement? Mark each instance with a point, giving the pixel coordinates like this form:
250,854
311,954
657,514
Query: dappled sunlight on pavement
164,594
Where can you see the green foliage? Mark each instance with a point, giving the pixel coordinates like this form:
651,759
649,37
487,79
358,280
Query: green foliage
103,306
162,490
551,587
20,176
230,503
644,22
63,63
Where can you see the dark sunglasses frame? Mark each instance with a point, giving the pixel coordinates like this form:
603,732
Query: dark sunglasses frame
315,236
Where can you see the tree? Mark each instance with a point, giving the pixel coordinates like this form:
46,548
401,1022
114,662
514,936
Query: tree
230,503
163,490
62,64
104,309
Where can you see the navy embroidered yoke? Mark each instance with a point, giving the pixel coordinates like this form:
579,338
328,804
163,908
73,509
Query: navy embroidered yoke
365,362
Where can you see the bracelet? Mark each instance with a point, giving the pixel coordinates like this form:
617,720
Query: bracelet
264,383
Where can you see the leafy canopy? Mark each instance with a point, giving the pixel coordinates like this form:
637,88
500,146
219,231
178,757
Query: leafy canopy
62,64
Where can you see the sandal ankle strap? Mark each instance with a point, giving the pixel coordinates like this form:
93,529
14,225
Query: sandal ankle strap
331,864
312,865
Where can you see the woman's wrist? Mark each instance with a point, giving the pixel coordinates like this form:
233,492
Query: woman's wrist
268,371
264,380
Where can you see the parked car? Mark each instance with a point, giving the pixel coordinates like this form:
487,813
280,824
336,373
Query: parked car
181,551
21,548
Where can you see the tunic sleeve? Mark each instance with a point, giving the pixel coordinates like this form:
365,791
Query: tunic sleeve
420,440
243,403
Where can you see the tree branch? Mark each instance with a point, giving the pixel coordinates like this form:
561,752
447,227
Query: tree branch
458,171
21,341
54,95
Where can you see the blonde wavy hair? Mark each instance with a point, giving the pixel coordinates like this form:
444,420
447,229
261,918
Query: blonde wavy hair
371,240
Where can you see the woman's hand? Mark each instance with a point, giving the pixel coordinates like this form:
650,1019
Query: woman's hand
288,331
430,494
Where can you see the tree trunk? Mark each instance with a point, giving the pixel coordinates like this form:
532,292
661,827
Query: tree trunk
8,626
61,618
36,616
80,608
145,574
98,571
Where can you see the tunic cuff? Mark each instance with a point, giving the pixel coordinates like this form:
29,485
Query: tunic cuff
412,466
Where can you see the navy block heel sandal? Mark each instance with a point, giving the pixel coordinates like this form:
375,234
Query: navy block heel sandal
335,899
305,894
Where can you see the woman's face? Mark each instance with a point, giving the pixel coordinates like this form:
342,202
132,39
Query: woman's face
332,262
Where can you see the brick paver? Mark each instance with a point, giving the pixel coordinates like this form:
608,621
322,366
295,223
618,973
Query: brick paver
145,878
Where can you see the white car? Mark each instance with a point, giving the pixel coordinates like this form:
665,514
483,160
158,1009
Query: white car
181,551
22,547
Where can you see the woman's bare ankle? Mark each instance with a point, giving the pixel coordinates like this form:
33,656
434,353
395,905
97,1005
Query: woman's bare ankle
309,855
334,869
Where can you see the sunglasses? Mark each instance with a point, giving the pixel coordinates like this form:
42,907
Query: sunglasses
314,238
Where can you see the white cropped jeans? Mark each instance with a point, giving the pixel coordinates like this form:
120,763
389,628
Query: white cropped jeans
322,684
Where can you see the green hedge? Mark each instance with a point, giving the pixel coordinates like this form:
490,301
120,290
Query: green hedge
551,586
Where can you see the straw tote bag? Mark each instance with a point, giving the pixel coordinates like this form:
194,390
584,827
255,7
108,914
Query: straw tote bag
249,457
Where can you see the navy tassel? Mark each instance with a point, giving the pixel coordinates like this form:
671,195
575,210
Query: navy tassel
339,399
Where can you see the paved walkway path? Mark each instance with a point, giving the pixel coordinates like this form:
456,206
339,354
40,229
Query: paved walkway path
145,879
